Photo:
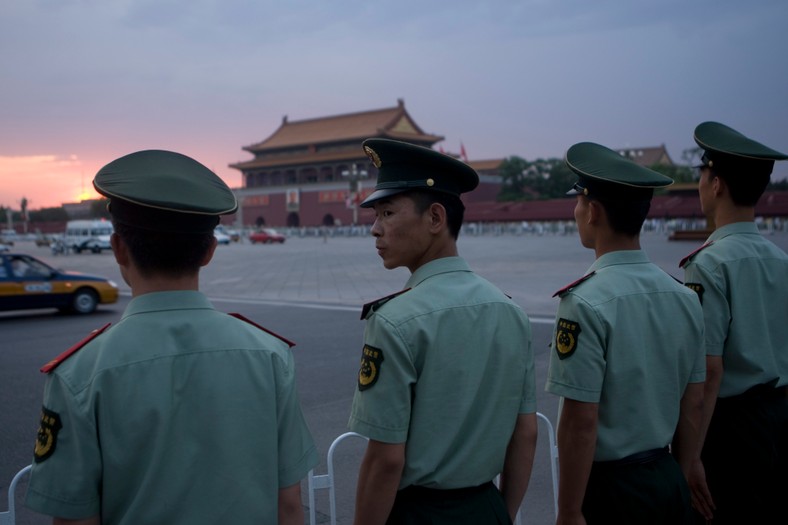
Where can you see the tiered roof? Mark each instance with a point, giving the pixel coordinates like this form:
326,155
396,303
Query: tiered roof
651,156
334,138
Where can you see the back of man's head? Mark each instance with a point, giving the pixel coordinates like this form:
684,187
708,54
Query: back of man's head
743,163
164,206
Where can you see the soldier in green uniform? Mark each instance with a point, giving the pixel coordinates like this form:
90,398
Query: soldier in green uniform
178,413
626,359
446,391
742,281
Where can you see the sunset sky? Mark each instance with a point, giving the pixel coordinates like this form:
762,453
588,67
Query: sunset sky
86,81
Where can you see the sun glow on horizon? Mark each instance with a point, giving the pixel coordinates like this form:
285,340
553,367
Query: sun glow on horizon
46,181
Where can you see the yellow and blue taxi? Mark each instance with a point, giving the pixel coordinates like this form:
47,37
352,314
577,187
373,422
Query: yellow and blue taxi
26,282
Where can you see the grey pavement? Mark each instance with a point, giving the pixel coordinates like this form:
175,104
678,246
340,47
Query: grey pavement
346,272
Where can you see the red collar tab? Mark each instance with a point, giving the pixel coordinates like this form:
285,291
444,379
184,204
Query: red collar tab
47,368
374,305
686,259
266,330
572,285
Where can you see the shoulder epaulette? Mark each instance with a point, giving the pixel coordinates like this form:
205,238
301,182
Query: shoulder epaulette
572,285
47,368
266,330
686,259
374,305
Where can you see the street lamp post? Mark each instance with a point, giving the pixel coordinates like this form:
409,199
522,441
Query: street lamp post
354,175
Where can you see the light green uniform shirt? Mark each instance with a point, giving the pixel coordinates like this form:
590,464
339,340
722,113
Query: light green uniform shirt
177,414
629,338
742,280
447,367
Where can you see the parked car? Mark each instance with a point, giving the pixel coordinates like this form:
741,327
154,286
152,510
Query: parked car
221,238
267,235
232,234
8,237
26,282
88,235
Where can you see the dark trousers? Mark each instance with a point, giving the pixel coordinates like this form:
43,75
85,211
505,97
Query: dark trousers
746,457
482,505
639,492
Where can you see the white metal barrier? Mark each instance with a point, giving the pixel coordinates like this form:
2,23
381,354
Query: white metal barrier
326,481
9,517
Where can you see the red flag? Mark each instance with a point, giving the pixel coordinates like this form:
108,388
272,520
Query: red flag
462,152
440,148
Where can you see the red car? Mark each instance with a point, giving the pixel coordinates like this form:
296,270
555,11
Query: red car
267,236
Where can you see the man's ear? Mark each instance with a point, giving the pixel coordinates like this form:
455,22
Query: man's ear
119,249
210,252
437,217
595,212
718,185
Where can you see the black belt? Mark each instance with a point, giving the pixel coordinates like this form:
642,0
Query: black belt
637,458
415,492
762,392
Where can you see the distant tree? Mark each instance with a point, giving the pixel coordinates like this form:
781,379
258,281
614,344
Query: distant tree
539,179
778,185
691,156
513,178
48,215
561,179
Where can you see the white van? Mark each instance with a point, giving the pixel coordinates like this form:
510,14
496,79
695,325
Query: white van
88,235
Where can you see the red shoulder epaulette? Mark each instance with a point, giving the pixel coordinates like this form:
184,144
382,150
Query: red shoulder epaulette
686,259
572,285
266,330
377,303
47,368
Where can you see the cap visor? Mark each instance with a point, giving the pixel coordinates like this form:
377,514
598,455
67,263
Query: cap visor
381,194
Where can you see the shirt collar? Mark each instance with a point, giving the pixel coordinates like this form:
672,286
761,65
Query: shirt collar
731,229
163,301
619,257
435,267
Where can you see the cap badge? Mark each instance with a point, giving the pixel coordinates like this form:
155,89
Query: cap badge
372,156
430,182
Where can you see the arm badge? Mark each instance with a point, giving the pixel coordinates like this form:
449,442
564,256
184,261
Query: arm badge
697,288
371,361
46,439
566,336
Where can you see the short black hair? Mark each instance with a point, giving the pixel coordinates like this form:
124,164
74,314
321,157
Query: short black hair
744,190
625,216
165,253
455,209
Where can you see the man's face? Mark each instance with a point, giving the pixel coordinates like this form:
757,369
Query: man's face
705,190
402,235
582,215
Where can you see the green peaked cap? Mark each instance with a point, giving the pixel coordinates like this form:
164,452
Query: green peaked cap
164,191
728,150
605,173
403,167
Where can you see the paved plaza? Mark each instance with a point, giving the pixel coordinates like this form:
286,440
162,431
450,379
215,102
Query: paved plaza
345,272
